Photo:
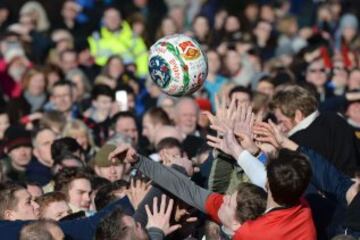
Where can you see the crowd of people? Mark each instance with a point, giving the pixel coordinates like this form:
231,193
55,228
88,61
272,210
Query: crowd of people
268,148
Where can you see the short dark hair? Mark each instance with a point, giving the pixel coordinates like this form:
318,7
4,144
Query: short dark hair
240,89
158,115
251,202
288,175
62,83
67,175
102,89
8,201
105,194
167,143
112,227
120,115
64,146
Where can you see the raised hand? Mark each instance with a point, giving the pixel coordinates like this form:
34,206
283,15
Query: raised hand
270,133
228,144
124,152
137,191
224,118
160,218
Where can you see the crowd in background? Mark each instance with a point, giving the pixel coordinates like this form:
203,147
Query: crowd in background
268,148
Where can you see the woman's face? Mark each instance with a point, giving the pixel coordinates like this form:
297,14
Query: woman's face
214,61
201,26
168,26
116,68
37,84
232,24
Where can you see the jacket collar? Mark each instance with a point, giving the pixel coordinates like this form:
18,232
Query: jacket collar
306,122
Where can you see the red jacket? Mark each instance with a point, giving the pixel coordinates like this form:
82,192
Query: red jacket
293,223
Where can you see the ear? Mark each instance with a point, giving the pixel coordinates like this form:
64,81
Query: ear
97,170
299,116
8,215
6,150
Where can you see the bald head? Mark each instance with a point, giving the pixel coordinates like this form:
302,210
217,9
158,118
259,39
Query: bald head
186,115
167,131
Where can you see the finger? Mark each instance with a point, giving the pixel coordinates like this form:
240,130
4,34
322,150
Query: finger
173,228
155,205
213,139
169,208
217,128
148,212
191,219
231,108
162,204
217,103
120,149
210,116
248,114
213,145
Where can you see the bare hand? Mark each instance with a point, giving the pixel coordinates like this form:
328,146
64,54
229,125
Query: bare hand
137,191
124,152
228,144
160,218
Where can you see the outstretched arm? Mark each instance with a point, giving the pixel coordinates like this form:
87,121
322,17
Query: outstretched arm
174,182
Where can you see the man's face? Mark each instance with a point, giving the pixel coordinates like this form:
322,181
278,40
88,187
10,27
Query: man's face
187,116
62,98
68,61
20,156
227,211
148,129
42,147
112,173
112,19
241,98
56,211
316,74
127,126
285,123
137,230
79,193
26,208
103,104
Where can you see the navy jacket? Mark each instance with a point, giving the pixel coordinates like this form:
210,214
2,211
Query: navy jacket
78,229
38,173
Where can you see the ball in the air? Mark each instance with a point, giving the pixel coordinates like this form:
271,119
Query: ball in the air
177,65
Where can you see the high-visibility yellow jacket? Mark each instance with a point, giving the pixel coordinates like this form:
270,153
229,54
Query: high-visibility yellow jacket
130,47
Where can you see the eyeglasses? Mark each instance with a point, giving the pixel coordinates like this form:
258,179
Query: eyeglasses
315,70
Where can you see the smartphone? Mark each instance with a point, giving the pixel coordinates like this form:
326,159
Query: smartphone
122,99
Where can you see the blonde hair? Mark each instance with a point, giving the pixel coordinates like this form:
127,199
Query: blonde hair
35,8
75,126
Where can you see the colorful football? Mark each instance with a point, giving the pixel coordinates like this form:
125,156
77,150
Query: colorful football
177,65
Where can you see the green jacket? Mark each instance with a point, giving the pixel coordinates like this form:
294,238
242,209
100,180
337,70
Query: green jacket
124,42
225,174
